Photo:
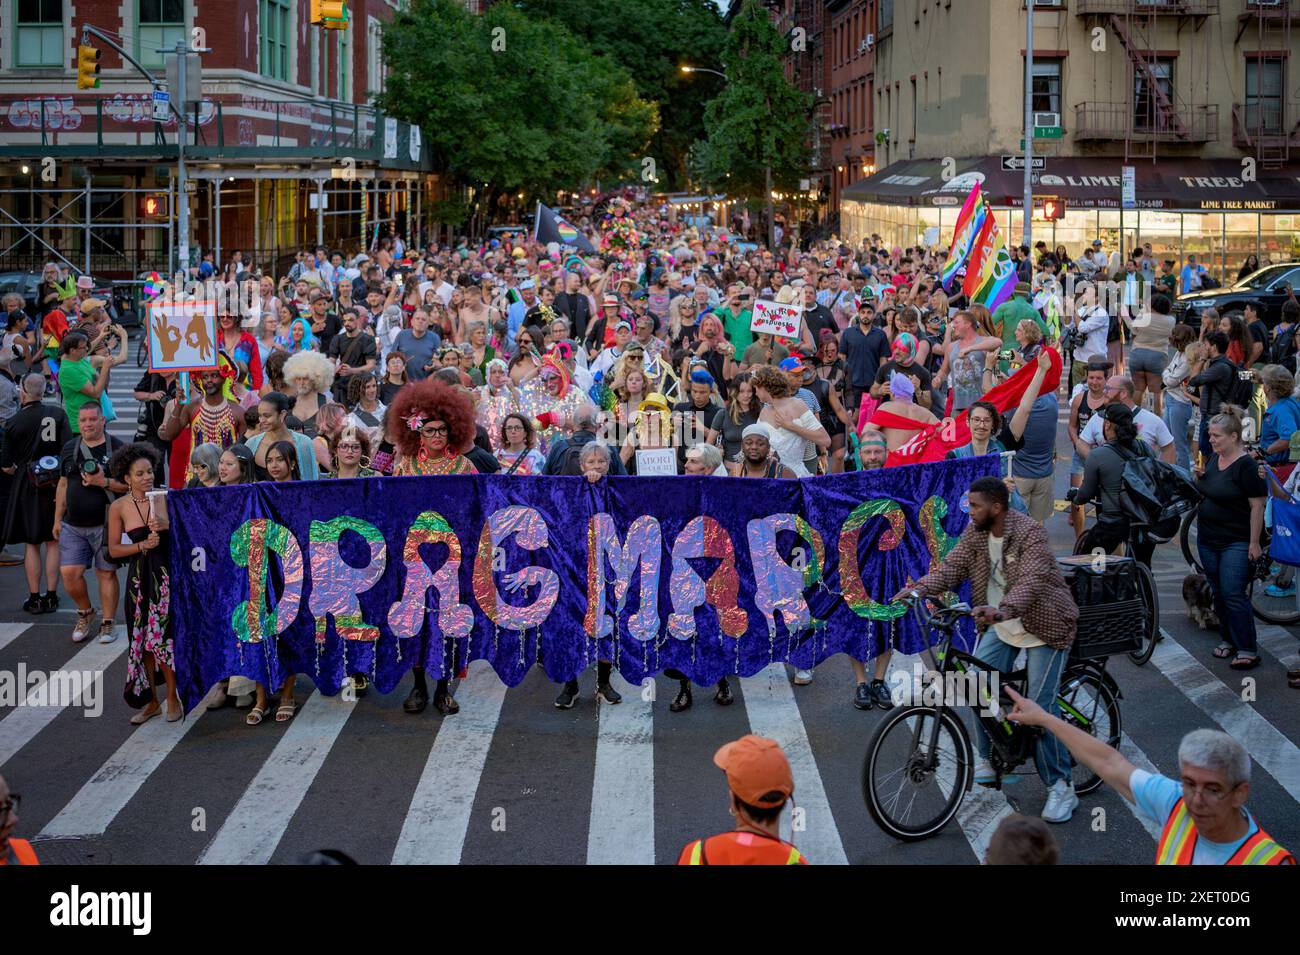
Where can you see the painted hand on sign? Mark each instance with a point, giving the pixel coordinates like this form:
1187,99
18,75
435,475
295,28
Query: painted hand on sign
196,336
168,338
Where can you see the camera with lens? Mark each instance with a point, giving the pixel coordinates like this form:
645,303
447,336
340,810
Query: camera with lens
90,466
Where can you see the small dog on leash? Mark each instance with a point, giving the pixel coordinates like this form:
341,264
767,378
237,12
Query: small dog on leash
1199,601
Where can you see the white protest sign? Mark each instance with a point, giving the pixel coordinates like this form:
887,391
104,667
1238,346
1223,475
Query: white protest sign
772,318
656,462
931,237
182,335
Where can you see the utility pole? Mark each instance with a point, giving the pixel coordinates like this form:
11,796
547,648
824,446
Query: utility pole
182,180
1029,124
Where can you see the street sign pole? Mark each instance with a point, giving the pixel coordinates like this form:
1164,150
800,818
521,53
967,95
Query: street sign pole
183,212
1029,123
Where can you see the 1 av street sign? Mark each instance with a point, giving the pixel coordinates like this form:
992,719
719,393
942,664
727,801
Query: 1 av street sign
1017,163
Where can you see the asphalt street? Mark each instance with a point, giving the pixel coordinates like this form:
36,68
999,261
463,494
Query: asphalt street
510,779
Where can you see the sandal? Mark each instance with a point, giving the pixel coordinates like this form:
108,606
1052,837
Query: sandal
145,715
285,711
1223,651
1245,661
255,715
224,700
180,713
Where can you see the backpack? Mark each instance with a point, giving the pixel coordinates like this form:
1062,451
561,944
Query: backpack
1240,391
1282,351
1155,492
571,460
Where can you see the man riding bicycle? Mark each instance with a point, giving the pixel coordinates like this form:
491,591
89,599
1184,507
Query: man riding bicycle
1021,601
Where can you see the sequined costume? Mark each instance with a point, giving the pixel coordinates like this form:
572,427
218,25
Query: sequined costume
492,409
549,410
436,465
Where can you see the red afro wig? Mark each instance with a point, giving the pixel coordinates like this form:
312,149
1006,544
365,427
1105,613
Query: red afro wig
434,400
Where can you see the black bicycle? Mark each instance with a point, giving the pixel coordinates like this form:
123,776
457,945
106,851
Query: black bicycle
920,762
1271,587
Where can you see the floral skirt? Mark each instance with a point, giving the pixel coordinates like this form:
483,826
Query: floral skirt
148,622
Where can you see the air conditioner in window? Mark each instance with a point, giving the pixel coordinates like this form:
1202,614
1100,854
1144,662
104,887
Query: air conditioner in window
869,42
1265,3
1042,120
1048,3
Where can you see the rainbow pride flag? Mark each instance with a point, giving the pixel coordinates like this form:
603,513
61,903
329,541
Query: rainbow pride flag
969,222
997,273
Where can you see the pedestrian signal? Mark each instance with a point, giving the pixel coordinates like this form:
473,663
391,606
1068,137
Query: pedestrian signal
154,205
87,67
1053,208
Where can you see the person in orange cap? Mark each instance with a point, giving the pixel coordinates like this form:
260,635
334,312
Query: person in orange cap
759,777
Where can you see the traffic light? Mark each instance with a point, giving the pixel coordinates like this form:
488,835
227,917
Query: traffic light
1053,208
154,205
330,14
87,67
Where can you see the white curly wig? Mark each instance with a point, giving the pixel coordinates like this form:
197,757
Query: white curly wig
312,365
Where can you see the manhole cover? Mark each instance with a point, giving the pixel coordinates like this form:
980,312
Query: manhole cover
72,852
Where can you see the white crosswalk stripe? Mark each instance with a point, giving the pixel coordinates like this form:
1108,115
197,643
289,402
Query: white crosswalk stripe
120,778
769,701
258,821
621,825
9,632
438,818
37,712
1267,747
621,830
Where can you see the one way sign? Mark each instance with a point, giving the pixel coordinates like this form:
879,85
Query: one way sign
1017,163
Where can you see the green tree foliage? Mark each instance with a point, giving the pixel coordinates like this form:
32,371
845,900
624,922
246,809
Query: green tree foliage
759,119
511,103
652,40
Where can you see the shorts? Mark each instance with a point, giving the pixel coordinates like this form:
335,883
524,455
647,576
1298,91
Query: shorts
80,546
1148,360
1076,464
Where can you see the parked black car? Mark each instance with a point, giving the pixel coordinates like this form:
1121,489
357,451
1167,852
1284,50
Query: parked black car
1266,289
25,284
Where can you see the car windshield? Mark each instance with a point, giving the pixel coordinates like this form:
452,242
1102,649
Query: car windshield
1264,277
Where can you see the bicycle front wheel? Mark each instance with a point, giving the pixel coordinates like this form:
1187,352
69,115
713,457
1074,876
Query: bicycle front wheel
914,778
1151,607
1086,701
1276,599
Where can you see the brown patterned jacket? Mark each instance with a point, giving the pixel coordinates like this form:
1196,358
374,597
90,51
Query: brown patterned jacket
1036,591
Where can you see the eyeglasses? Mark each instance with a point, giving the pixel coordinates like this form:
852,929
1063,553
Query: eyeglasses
1191,790
349,446
434,429
514,427
10,805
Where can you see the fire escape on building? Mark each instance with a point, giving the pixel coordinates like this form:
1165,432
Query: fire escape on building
1153,112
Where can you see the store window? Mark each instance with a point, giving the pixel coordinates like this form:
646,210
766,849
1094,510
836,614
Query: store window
1241,238
40,33
1279,238
345,64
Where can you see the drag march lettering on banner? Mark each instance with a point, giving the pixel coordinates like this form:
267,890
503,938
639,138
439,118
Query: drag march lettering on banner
708,576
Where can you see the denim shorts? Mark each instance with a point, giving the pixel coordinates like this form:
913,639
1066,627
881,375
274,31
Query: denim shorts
1076,464
1149,360
82,546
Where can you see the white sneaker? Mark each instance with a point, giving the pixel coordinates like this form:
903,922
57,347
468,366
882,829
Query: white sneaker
1061,802
802,677
984,772
107,631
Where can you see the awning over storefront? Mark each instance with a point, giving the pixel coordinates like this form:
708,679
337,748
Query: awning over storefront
1189,185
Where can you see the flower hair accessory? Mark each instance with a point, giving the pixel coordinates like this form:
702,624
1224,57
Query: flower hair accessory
416,420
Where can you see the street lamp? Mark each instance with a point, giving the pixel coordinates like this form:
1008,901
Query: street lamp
767,167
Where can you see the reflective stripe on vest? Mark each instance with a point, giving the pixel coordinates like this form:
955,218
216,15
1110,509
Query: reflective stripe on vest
1177,844
697,855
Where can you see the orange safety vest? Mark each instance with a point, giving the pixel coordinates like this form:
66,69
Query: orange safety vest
20,853
741,848
1177,844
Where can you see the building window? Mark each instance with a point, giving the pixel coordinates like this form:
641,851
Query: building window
1264,95
374,59
161,24
40,33
273,17
1046,96
345,64
1147,116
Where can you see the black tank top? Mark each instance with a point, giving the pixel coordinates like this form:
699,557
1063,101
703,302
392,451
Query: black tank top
1086,413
